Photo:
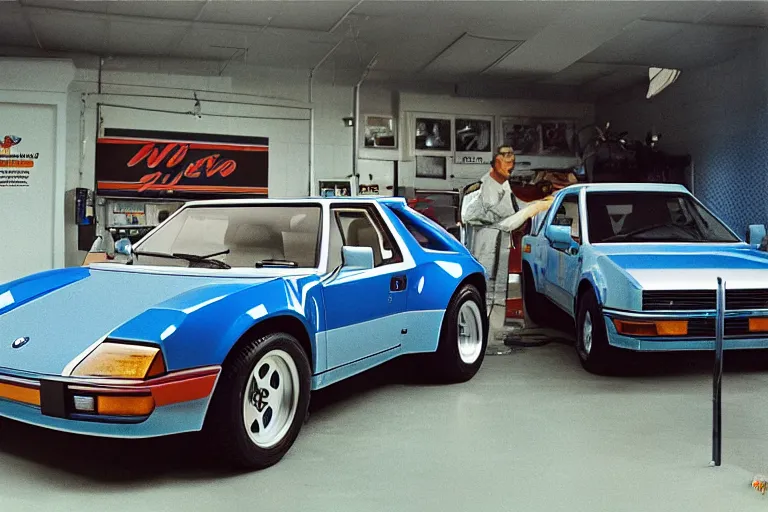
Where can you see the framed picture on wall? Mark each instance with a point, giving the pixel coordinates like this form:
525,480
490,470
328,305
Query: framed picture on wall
432,134
522,135
473,140
558,138
431,167
380,132
473,135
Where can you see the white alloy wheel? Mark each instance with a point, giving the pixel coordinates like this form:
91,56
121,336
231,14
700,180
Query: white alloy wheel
470,332
586,334
271,398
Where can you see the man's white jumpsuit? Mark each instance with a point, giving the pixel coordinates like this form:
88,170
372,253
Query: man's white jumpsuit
491,214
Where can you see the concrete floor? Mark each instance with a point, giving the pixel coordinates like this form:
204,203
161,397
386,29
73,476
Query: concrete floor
532,432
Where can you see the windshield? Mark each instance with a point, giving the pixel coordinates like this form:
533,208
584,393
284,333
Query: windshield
245,236
616,217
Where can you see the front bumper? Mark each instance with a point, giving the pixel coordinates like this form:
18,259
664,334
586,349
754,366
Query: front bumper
740,341
174,403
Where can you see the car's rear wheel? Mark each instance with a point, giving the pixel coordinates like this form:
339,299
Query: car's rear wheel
463,337
261,401
595,353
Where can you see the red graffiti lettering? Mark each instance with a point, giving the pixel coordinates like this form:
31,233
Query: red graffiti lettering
173,154
141,154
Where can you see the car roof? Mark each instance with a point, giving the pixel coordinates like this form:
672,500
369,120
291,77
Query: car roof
297,200
626,187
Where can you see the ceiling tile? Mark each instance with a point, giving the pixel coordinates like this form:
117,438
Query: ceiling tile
470,55
739,13
673,45
265,48
14,29
177,9
70,31
305,15
135,38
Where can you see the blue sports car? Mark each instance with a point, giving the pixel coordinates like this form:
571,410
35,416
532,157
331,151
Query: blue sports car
230,313
635,266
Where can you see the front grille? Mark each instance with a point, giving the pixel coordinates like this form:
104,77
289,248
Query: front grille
705,327
686,300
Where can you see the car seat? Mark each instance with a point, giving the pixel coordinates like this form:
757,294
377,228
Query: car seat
362,234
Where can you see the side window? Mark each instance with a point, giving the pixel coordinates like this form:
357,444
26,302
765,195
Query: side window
360,227
568,215
423,237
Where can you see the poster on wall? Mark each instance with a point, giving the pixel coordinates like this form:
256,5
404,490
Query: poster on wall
472,138
557,138
16,161
431,167
522,136
433,134
380,132
473,135
147,163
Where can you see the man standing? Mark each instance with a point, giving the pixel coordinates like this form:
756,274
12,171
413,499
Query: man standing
493,212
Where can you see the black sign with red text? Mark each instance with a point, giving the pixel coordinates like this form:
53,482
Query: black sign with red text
145,163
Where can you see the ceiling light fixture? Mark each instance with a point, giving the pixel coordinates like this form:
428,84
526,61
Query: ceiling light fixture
660,79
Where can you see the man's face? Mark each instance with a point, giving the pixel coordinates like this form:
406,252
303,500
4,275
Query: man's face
504,161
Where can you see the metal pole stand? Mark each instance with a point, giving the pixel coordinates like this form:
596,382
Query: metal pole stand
717,379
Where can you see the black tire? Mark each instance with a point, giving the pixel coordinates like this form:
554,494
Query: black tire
447,364
225,427
600,358
535,304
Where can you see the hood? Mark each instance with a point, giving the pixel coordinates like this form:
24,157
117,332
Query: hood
691,266
63,312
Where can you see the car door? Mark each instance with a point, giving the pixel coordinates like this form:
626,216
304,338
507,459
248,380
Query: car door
563,265
364,309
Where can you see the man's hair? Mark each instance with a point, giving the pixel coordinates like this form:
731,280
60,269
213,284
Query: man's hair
498,149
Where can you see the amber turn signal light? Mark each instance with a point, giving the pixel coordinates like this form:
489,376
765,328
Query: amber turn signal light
759,324
125,405
657,328
122,360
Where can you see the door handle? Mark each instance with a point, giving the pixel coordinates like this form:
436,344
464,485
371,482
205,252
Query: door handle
398,283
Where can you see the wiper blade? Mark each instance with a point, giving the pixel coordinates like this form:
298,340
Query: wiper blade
275,263
204,257
188,257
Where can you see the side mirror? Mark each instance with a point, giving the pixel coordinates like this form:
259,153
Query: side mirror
755,234
560,237
356,258
123,246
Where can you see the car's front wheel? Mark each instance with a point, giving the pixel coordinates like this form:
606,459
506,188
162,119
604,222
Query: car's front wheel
261,401
463,337
595,353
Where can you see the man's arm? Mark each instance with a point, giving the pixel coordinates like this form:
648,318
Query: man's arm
513,222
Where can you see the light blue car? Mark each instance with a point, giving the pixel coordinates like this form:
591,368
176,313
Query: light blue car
636,266
230,313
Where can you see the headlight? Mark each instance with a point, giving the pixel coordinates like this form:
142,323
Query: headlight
122,360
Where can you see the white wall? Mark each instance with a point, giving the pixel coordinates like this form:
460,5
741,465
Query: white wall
719,115
270,102
33,107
